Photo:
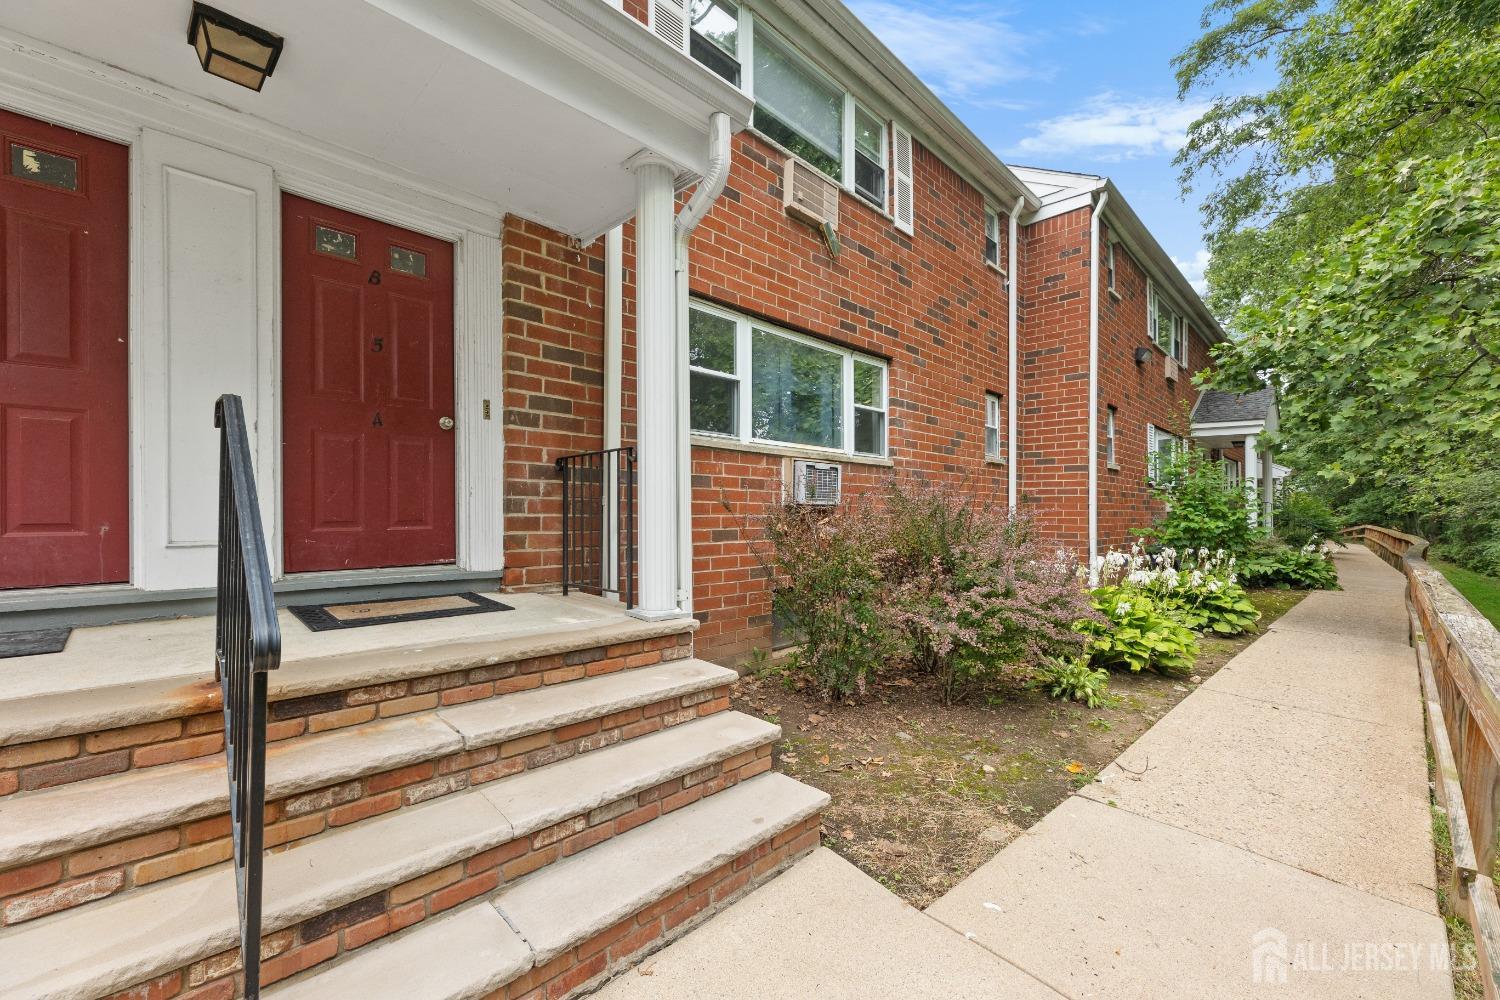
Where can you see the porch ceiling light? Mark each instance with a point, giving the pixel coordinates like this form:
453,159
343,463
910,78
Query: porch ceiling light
233,49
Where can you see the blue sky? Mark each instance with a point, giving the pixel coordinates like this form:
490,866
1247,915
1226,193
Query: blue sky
1082,85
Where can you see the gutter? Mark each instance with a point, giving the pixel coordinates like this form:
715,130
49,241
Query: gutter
1093,442
1013,282
707,192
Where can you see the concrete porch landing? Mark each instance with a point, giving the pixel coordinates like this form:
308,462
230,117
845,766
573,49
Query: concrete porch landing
1277,817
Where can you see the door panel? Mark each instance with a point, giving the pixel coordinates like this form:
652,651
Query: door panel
367,347
64,410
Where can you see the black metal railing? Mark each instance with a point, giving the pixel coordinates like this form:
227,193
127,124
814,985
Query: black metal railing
598,524
247,647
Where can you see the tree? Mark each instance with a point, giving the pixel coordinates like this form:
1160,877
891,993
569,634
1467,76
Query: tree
1355,227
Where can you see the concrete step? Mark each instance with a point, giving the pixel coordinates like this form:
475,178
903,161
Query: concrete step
128,939
142,695
561,907
73,817
467,955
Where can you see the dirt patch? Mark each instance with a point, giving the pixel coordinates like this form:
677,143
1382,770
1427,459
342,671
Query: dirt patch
923,793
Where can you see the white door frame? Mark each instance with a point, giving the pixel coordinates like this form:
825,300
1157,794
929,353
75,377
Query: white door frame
81,94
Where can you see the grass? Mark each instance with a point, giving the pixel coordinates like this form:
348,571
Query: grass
1482,591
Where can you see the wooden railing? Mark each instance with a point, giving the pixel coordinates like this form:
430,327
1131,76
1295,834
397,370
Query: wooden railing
1458,656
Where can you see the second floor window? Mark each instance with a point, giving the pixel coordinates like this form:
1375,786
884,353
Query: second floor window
755,382
797,107
715,37
992,237
1109,266
1167,327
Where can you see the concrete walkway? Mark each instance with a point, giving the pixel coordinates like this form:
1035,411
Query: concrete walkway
1270,836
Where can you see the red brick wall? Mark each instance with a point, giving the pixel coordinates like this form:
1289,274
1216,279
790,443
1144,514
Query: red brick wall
1140,394
928,302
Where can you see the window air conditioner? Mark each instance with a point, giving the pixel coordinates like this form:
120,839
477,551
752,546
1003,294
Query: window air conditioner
817,484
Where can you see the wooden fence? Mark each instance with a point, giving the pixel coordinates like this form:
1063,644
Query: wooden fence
1458,655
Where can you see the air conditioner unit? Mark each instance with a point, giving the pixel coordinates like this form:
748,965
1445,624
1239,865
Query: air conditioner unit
809,195
817,484
1173,369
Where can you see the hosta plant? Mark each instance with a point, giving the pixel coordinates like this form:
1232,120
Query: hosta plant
1140,634
1200,588
1281,566
1072,679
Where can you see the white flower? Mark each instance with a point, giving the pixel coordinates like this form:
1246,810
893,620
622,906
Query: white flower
1123,607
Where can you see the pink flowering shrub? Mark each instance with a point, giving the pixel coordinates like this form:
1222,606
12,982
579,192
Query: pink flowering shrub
931,576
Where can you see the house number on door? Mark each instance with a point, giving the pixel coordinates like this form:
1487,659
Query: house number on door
377,422
379,345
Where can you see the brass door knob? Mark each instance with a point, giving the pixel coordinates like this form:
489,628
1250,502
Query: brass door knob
446,423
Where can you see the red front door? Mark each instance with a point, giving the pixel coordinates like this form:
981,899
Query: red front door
367,377
64,296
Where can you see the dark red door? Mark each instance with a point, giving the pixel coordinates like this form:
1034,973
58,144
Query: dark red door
64,293
367,378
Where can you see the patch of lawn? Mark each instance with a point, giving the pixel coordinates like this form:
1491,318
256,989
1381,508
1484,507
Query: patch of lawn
1482,591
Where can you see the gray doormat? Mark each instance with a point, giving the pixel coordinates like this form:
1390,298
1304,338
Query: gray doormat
33,642
326,617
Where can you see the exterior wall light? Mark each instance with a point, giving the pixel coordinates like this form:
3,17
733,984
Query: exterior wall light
232,49
1141,354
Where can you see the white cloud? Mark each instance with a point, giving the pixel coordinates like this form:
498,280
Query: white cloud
962,53
1114,128
1194,270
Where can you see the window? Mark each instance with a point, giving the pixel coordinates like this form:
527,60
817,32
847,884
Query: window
1109,265
797,107
1232,473
1162,447
715,40
800,391
992,437
1167,327
869,156
1109,438
992,237
713,374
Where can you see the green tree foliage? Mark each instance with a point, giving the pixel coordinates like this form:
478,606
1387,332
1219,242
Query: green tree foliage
1354,222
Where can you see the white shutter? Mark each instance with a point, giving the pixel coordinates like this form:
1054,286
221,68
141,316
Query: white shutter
902,207
1151,452
669,19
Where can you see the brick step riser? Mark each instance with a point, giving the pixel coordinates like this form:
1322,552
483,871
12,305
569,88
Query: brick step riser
354,925
41,764
41,888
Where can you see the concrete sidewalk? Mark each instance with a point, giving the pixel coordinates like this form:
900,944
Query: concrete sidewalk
1270,836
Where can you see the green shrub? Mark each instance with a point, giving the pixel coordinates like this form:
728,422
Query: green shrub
1203,509
1274,564
1225,610
1304,517
1200,588
1072,679
1138,634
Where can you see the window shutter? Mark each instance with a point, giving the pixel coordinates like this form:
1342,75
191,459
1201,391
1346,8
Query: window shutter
902,208
669,19
1151,452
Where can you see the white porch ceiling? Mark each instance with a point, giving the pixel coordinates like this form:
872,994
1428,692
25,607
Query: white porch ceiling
526,105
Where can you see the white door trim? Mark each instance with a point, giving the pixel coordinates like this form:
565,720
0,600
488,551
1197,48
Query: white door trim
69,90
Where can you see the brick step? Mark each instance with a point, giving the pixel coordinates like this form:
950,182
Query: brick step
566,929
106,727
358,883
70,845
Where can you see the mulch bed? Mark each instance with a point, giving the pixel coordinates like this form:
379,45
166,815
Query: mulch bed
924,793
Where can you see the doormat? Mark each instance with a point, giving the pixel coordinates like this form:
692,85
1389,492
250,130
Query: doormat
327,617
33,642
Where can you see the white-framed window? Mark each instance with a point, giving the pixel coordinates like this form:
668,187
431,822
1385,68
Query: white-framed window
994,438
1166,325
869,141
753,381
991,237
1162,447
1233,473
1109,437
796,105
1109,265
715,37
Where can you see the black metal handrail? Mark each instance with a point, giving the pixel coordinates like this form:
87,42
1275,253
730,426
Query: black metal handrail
598,522
247,646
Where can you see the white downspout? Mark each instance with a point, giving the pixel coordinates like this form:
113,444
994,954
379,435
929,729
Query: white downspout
1093,443
1012,291
707,192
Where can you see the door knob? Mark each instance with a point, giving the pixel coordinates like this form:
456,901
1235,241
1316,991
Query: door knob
446,423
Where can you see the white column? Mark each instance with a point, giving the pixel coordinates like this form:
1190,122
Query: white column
1268,489
1252,477
657,472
